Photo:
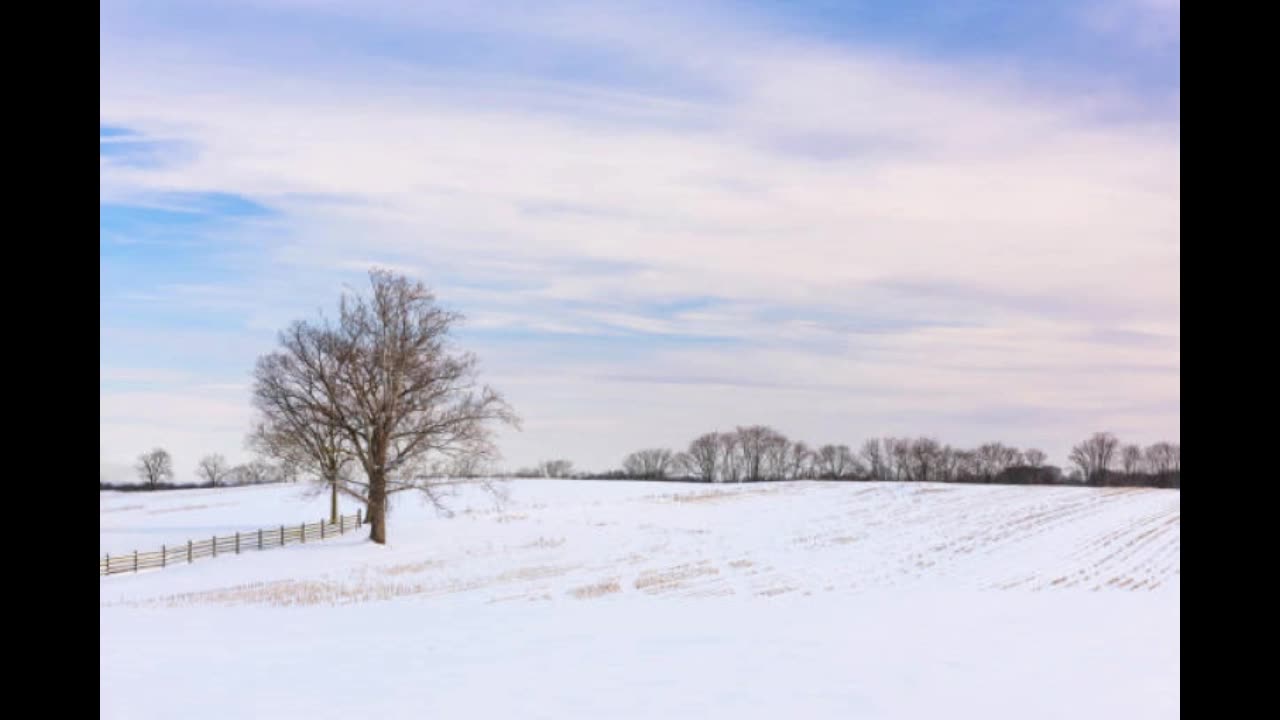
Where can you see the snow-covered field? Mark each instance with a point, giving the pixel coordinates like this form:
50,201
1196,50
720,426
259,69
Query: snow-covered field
653,600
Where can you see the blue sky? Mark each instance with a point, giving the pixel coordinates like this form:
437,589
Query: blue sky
845,219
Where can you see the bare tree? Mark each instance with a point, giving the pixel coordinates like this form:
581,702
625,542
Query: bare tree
704,457
682,465
651,464
897,453
212,469
254,472
834,461
387,377
799,461
294,425
994,458
155,467
556,468
874,457
469,467
948,464
777,450
924,457
755,445
1162,458
1131,458
1095,456
1035,458
730,458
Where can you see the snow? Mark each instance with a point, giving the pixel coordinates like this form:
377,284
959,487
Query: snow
640,600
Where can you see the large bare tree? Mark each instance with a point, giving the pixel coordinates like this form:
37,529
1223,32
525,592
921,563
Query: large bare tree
155,467
387,378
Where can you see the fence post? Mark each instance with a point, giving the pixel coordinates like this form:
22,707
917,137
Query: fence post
188,552
163,555
259,538
321,528
359,522
304,532
342,524
281,536
135,561
214,543
108,571
237,542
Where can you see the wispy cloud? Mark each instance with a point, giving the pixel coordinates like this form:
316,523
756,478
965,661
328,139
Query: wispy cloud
845,213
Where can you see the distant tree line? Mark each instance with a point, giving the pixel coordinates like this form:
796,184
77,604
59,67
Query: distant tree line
758,453
155,469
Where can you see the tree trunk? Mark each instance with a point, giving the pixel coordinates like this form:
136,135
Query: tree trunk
333,501
378,508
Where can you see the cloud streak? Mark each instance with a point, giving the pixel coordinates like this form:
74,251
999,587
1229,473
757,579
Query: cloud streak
844,214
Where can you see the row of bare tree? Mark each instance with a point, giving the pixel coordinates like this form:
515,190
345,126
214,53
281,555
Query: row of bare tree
155,469
547,469
758,453
1103,460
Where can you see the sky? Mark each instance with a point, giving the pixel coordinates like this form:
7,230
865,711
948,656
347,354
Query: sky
842,219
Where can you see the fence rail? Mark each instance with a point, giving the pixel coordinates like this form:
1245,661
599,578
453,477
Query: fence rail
261,539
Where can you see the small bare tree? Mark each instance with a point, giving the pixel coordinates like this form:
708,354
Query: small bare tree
777,450
756,445
155,467
924,457
834,461
1035,458
556,468
651,464
704,457
682,465
948,464
254,472
1131,458
799,461
873,457
897,452
294,427
1095,456
1163,458
212,469
995,458
730,458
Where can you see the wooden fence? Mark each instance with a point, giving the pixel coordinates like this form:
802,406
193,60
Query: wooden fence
263,539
